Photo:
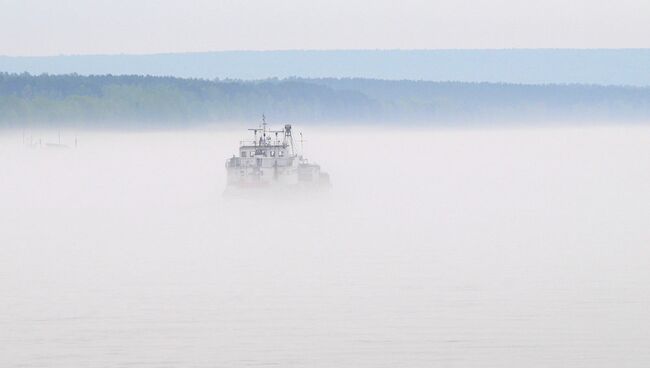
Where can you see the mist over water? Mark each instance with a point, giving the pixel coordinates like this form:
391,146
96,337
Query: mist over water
465,248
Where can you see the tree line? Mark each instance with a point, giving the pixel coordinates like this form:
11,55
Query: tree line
111,100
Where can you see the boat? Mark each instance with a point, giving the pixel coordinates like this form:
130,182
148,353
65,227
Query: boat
271,161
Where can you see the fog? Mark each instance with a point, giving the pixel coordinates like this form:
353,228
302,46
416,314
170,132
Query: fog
446,247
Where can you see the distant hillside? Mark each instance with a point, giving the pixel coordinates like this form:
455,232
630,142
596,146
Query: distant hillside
527,66
161,101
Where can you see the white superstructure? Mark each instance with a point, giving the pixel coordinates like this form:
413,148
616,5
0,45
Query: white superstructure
270,159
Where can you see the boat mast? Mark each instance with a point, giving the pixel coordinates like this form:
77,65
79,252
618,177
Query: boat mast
264,129
255,130
288,138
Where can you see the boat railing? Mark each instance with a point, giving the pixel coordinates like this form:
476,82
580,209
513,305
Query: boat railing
248,143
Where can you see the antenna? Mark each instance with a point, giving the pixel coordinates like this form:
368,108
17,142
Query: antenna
264,131
263,138
301,148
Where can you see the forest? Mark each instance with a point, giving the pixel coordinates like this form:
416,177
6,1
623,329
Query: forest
119,100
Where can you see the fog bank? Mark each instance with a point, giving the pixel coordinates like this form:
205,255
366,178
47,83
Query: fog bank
482,248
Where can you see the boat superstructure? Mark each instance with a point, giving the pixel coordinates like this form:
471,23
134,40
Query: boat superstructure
271,160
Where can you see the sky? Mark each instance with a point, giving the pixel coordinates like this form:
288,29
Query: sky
64,27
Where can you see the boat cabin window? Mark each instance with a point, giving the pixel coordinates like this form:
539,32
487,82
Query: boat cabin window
272,153
243,153
281,153
252,154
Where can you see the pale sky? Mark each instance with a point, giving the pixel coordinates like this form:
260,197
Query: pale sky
54,27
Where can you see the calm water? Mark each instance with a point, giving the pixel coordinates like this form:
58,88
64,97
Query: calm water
484,248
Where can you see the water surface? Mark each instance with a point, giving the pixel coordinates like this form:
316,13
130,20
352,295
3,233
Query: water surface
456,248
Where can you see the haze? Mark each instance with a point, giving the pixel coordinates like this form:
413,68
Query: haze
489,168
463,248
44,27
